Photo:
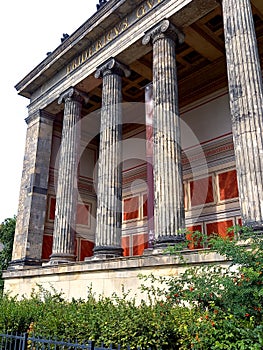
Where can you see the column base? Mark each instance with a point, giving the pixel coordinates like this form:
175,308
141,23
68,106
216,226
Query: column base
166,241
256,227
102,253
148,251
56,259
25,262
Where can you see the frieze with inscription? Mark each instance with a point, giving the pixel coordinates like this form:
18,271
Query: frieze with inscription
113,33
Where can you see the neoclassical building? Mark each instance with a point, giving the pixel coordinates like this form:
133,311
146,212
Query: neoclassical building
145,121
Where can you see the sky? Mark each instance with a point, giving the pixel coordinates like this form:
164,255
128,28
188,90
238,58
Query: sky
29,29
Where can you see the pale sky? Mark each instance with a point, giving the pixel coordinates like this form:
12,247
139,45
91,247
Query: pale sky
29,29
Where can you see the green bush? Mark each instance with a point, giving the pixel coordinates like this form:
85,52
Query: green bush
16,315
230,297
109,320
236,288
7,232
206,307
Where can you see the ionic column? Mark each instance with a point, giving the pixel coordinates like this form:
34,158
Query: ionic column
109,190
168,186
246,105
66,196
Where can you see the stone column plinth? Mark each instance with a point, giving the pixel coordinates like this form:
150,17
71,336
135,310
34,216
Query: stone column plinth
27,248
246,105
66,194
167,167
109,189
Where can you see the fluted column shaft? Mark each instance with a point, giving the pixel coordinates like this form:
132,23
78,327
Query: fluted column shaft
168,185
149,160
246,104
109,190
66,196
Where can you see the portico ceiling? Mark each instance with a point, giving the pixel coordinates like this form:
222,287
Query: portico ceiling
201,60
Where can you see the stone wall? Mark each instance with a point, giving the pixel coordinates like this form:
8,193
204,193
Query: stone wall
105,277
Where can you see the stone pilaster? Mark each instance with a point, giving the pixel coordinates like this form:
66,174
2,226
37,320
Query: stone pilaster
246,104
67,192
33,191
109,190
168,187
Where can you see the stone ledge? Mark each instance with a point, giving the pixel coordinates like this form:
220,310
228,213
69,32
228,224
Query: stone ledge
122,263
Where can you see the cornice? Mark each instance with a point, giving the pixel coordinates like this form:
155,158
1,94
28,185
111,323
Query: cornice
94,21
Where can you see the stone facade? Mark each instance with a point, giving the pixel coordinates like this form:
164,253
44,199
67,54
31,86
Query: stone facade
91,189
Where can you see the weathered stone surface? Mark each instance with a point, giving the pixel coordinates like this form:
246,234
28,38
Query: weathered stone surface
106,276
168,188
246,104
109,191
66,197
33,191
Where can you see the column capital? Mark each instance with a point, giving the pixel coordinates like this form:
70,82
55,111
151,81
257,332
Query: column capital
73,94
42,115
112,66
163,29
